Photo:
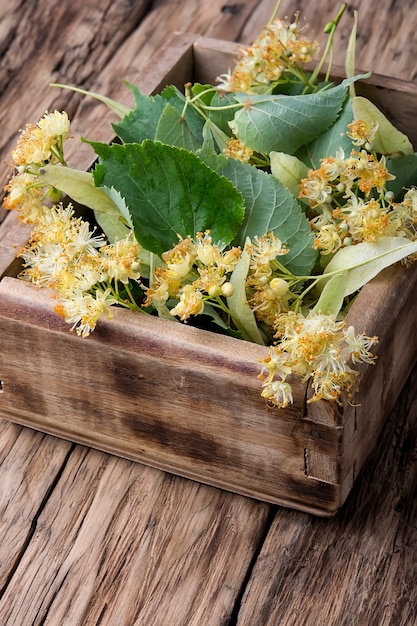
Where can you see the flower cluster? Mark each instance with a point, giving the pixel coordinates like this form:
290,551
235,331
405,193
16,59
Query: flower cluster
38,144
318,349
81,269
278,54
351,202
194,272
268,290
42,142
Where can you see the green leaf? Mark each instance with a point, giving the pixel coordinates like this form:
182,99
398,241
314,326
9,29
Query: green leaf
269,206
220,115
388,139
80,187
404,168
141,123
332,140
365,260
285,123
237,303
169,193
187,116
175,130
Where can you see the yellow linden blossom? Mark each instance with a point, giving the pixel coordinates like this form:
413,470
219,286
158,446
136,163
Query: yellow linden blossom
316,348
83,310
268,295
26,196
361,133
120,261
279,48
61,246
55,125
168,279
340,191
193,272
84,272
237,150
368,171
269,300
191,303
37,142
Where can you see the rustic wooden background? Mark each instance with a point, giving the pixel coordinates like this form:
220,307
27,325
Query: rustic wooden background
87,538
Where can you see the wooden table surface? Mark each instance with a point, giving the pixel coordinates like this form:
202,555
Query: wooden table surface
87,538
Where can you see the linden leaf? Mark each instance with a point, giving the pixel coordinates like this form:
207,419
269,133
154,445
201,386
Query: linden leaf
332,296
142,121
404,168
175,130
330,141
269,206
268,123
169,193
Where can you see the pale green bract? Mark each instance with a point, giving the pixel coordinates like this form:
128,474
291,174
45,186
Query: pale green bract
80,187
240,310
365,260
388,139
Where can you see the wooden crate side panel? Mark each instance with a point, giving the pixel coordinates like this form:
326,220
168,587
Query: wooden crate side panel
138,395
392,318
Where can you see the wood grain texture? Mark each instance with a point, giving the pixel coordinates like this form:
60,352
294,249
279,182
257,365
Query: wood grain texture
154,382
30,464
360,567
117,542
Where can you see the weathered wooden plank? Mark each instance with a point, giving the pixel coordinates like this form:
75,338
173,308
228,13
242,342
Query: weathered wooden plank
118,543
360,567
29,465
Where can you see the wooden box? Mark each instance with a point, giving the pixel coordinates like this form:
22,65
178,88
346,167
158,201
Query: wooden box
186,400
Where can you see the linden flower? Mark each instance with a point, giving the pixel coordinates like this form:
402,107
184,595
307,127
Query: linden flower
361,133
369,172
83,310
37,142
55,124
316,348
191,303
120,261
237,150
316,187
270,300
278,48
25,195
167,279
